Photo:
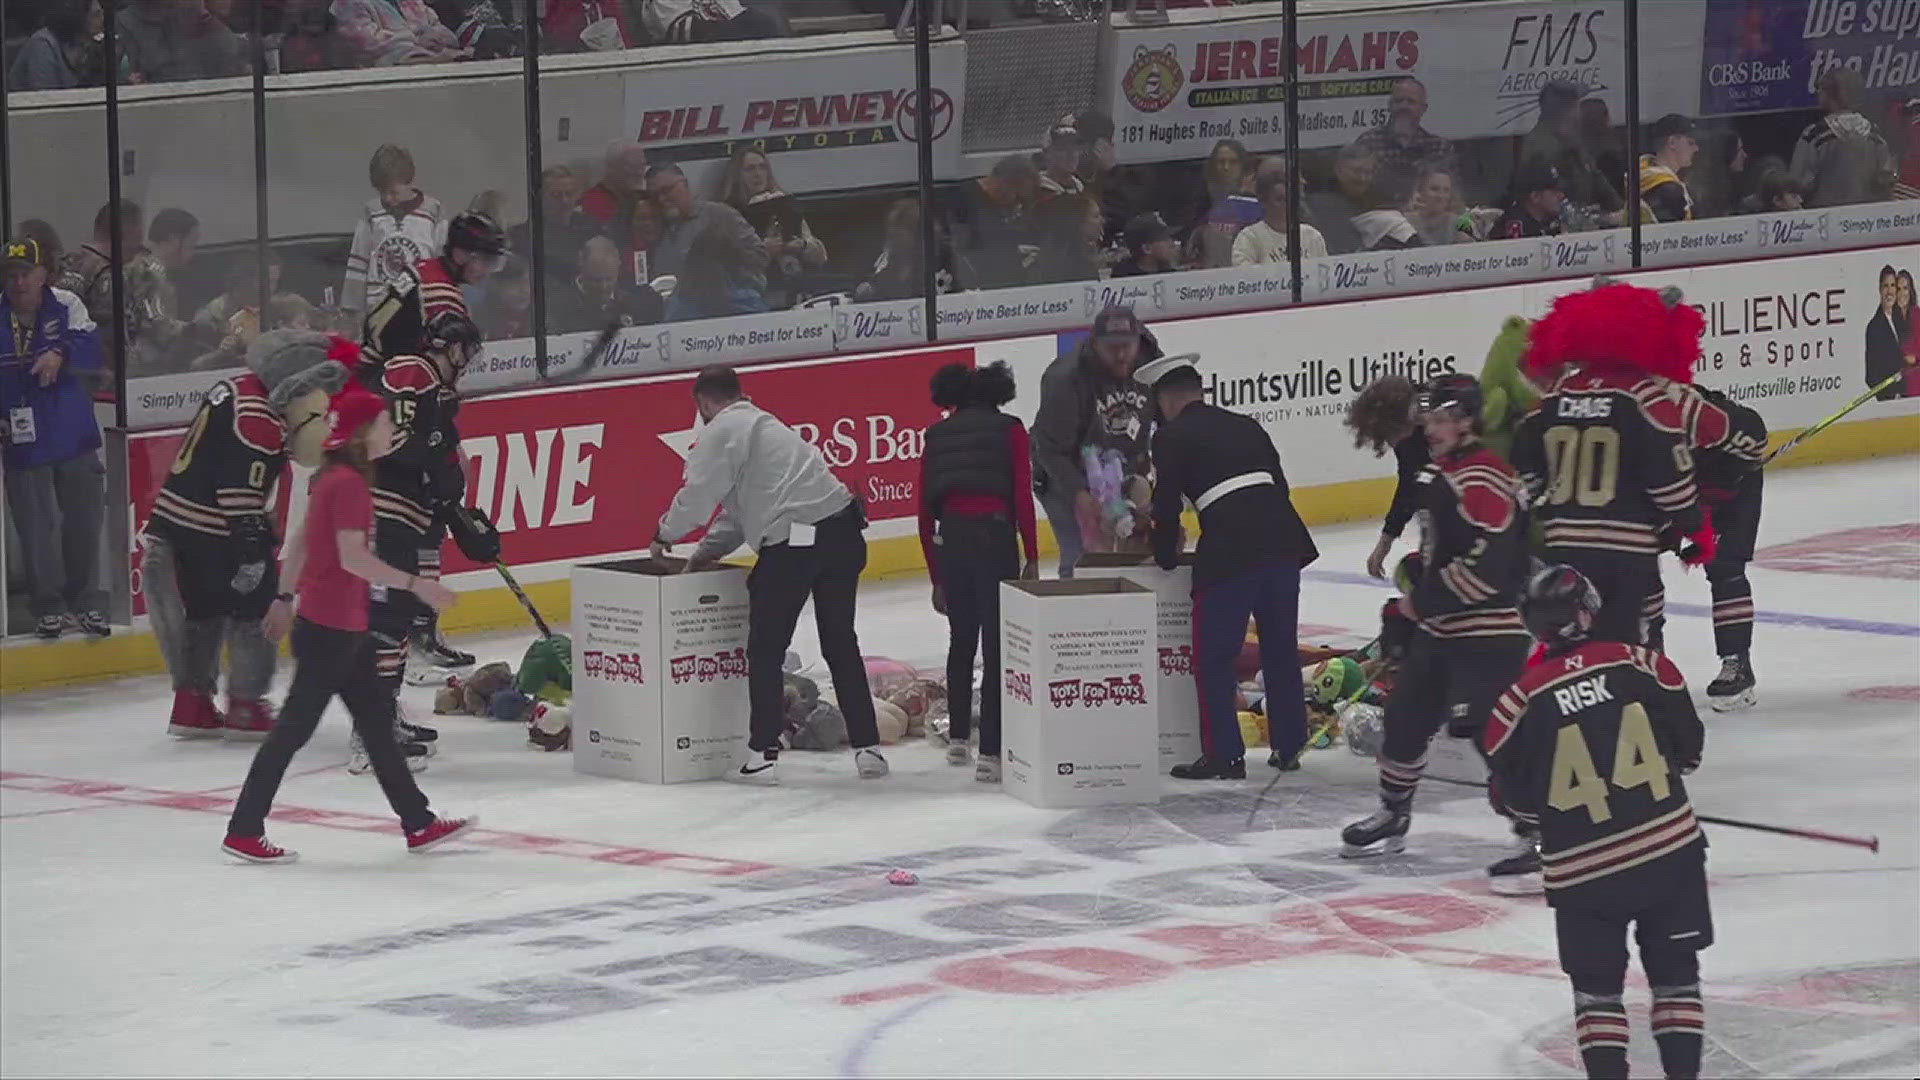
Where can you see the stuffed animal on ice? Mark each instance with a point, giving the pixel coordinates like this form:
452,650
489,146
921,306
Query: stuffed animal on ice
551,727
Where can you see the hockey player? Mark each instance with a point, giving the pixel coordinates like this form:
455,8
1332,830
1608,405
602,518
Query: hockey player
208,563
397,326
417,487
1592,743
1729,442
1468,644
1605,457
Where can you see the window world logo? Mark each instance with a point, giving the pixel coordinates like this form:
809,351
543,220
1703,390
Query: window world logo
1572,254
1792,232
1357,274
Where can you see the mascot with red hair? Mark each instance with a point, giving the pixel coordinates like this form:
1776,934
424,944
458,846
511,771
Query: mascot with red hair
1607,458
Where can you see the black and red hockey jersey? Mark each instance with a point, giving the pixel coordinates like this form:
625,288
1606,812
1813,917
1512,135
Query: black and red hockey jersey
1592,743
423,470
397,324
1606,462
233,454
1729,442
1472,545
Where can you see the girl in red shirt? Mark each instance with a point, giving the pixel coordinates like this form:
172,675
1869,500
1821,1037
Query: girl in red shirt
976,488
332,652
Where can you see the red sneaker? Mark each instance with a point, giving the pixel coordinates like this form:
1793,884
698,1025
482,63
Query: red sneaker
248,721
257,849
441,830
194,716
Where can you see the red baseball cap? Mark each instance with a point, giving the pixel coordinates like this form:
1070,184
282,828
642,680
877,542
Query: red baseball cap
353,408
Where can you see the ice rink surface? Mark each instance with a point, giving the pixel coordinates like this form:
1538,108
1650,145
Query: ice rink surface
600,927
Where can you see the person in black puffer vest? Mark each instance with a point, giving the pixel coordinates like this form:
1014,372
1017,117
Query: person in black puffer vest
975,484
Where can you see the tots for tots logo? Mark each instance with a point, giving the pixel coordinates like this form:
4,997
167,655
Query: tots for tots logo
1153,80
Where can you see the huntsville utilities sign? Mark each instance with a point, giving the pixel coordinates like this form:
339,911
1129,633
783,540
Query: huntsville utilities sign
832,120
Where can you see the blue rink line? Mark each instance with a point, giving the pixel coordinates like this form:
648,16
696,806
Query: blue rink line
1695,611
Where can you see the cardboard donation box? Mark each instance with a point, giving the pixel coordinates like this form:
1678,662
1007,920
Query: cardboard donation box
1079,693
659,671
1179,700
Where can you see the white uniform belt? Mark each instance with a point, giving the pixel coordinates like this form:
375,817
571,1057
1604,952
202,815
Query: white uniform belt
1230,485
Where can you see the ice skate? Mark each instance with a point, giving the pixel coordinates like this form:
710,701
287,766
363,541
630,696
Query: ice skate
870,764
248,721
1519,873
359,764
433,648
405,732
1285,762
1383,832
50,627
423,671
958,754
194,716
1733,689
93,624
440,831
257,849
986,770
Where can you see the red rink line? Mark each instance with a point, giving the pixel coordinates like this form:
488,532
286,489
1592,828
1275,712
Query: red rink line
213,803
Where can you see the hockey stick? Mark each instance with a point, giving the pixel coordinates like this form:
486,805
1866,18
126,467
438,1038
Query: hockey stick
521,595
597,351
1871,843
1808,432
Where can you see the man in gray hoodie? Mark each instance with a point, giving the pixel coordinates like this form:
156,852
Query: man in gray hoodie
1840,159
688,217
1089,400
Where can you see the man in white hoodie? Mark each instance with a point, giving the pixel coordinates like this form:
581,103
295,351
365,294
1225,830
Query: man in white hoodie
1840,158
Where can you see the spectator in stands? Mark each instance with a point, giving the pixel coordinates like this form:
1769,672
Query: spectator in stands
1840,158
170,40
379,33
598,296
587,26
563,225
232,319
1719,178
1663,194
1400,146
1122,193
688,217
1776,191
1223,175
1435,206
992,234
507,313
486,28
291,311
792,249
61,54
646,224
1210,245
1265,241
715,280
154,327
56,491
1382,223
1555,141
1068,231
623,180
1904,121
88,272
312,41
1538,202
398,227
898,274
682,21
1333,209
1605,145
1151,248
1060,162
48,237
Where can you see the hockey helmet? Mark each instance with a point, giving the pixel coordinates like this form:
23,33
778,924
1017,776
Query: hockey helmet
456,335
1454,393
1559,606
476,232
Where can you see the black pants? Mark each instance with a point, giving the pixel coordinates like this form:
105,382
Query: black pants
782,580
1625,582
1443,680
976,555
329,662
1736,526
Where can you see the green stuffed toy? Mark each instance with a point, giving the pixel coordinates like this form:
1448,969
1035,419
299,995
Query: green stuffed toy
546,671
1506,395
